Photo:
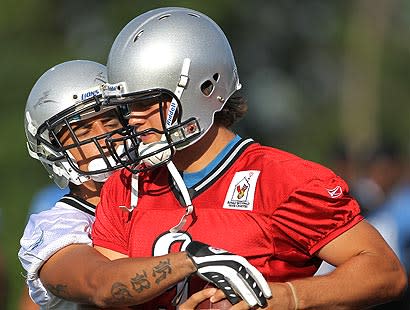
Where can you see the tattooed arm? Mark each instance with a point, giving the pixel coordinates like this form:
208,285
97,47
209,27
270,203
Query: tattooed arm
82,274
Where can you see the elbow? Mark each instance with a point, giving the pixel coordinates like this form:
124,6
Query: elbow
397,283
98,297
401,283
103,297
100,292
103,300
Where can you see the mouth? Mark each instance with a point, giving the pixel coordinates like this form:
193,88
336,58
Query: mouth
149,138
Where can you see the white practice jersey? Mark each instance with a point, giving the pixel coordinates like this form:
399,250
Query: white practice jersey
68,222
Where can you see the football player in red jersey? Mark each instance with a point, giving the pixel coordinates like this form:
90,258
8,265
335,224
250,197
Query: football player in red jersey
189,177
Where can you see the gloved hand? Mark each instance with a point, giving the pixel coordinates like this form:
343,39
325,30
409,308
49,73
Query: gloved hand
231,273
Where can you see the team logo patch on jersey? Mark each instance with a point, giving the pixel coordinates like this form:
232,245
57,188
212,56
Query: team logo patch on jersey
241,192
335,192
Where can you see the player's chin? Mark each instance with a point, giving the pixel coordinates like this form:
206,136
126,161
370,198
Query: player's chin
150,138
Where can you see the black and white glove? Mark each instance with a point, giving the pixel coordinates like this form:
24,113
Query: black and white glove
231,273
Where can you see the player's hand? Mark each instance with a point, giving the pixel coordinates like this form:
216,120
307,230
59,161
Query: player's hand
231,273
195,299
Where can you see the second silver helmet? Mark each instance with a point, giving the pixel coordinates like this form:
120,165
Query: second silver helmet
64,94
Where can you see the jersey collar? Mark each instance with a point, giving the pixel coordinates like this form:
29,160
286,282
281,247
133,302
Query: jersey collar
78,203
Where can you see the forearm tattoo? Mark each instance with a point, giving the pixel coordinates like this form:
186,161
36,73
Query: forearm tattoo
161,271
122,294
140,282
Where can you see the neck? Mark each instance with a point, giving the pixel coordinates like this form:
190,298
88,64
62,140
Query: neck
197,156
89,191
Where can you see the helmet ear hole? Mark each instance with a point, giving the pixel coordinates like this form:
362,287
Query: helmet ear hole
207,87
216,77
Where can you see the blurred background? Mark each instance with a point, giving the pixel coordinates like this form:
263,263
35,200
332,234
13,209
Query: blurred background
327,80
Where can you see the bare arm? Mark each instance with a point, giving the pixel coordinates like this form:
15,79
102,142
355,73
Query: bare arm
367,273
81,274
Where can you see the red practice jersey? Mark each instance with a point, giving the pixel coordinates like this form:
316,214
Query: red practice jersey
267,205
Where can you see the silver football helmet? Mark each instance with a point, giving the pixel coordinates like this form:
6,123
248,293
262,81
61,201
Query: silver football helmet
63,95
171,54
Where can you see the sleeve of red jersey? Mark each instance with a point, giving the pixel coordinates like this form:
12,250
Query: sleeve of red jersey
316,213
109,229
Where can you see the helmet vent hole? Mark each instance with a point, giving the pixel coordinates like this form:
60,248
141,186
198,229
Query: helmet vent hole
137,36
193,15
216,77
207,87
164,16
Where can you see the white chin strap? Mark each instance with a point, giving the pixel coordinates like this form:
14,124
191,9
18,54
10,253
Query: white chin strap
164,155
148,148
189,208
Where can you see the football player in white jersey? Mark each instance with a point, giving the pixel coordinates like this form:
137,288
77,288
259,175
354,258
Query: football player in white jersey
66,125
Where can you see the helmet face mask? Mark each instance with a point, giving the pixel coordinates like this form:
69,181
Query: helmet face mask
64,135
134,154
63,102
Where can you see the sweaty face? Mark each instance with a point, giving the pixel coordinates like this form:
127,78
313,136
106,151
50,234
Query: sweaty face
90,132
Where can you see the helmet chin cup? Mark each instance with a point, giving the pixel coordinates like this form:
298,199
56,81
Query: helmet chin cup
102,177
161,152
99,164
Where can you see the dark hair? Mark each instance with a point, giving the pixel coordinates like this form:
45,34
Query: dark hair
234,109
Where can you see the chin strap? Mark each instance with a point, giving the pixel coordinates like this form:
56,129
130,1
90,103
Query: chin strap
182,84
157,158
185,195
134,193
189,208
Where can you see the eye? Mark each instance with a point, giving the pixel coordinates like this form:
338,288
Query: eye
112,123
81,131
